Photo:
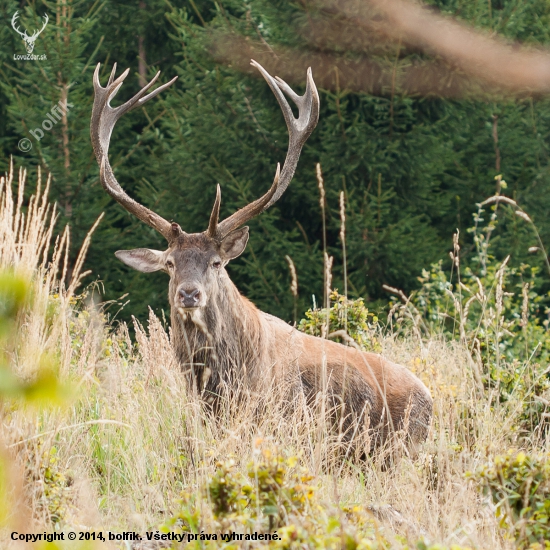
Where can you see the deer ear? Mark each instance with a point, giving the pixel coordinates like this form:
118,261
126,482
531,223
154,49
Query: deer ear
142,259
234,244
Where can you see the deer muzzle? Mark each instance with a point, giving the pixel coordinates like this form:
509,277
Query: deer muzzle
189,298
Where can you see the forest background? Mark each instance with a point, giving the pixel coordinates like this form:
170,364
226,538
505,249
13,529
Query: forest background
413,160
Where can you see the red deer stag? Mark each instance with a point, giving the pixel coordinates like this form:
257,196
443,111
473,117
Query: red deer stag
219,336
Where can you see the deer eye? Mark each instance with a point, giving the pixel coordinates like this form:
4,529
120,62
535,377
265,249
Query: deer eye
169,264
217,264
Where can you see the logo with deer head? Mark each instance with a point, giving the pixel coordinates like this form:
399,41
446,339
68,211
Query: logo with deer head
29,40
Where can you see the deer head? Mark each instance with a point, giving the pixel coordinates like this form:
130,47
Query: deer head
29,40
196,262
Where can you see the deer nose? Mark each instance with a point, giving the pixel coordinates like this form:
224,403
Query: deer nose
190,298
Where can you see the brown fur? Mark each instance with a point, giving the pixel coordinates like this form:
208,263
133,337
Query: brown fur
230,345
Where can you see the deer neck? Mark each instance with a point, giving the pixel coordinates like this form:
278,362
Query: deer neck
220,345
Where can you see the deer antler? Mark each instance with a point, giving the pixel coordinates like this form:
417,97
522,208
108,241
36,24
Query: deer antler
14,21
104,118
46,19
299,130
24,34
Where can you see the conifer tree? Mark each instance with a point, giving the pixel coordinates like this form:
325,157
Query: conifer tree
412,167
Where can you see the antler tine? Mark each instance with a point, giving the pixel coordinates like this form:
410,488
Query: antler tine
299,130
104,118
13,23
111,76
214,217
45,22
240,217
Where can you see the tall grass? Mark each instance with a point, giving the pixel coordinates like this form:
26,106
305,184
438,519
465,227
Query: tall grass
132,446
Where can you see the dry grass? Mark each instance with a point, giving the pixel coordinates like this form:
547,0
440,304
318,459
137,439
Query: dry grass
131,438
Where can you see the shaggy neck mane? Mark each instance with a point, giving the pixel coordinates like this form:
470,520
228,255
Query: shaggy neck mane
220,345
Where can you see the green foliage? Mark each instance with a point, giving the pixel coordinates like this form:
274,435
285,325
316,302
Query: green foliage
273,490
500,312
410,167
490,299
276,496
519,486
55,487
350,316
44,470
